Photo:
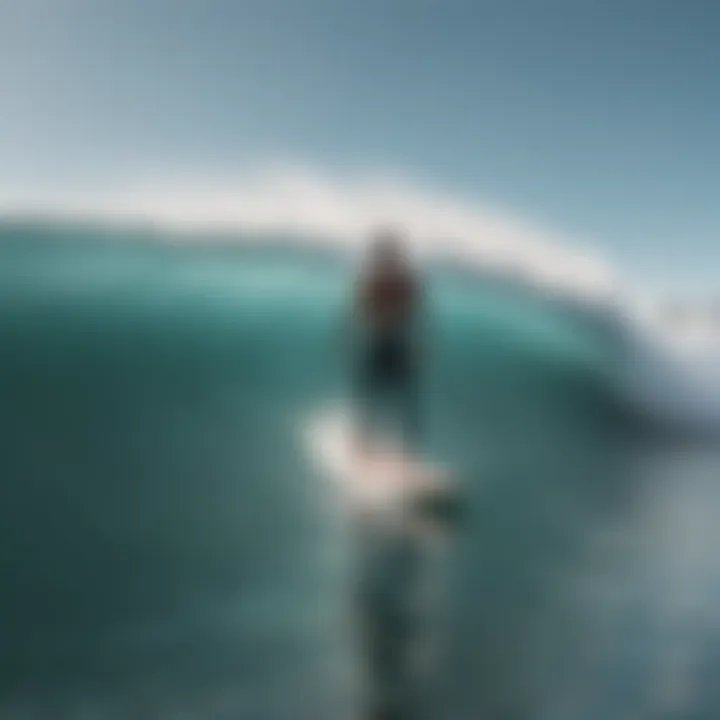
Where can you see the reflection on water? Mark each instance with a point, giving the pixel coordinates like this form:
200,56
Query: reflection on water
586,599
398,616
595,596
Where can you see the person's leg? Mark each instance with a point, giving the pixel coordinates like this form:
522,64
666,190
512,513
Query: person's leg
368,397
362,406
410,409
406,392
402,390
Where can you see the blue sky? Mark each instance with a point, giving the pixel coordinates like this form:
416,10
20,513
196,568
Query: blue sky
597,119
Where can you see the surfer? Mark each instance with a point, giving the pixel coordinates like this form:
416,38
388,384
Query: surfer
386,309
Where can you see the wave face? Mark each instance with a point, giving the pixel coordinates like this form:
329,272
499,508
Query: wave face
169,549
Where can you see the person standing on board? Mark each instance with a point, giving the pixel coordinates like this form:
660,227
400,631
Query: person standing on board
387,306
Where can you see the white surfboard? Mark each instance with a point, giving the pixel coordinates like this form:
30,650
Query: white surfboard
380,478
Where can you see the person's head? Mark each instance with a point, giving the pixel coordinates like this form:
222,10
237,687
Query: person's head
387,251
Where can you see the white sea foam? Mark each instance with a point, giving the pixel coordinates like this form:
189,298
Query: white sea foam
340,210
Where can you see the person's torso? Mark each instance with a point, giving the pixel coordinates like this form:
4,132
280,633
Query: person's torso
386,302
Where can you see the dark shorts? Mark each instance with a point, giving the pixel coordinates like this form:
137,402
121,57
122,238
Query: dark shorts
386,379
387,360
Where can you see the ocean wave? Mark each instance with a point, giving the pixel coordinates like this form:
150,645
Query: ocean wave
664,375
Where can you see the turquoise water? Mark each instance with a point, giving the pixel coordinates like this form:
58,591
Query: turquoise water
169,551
